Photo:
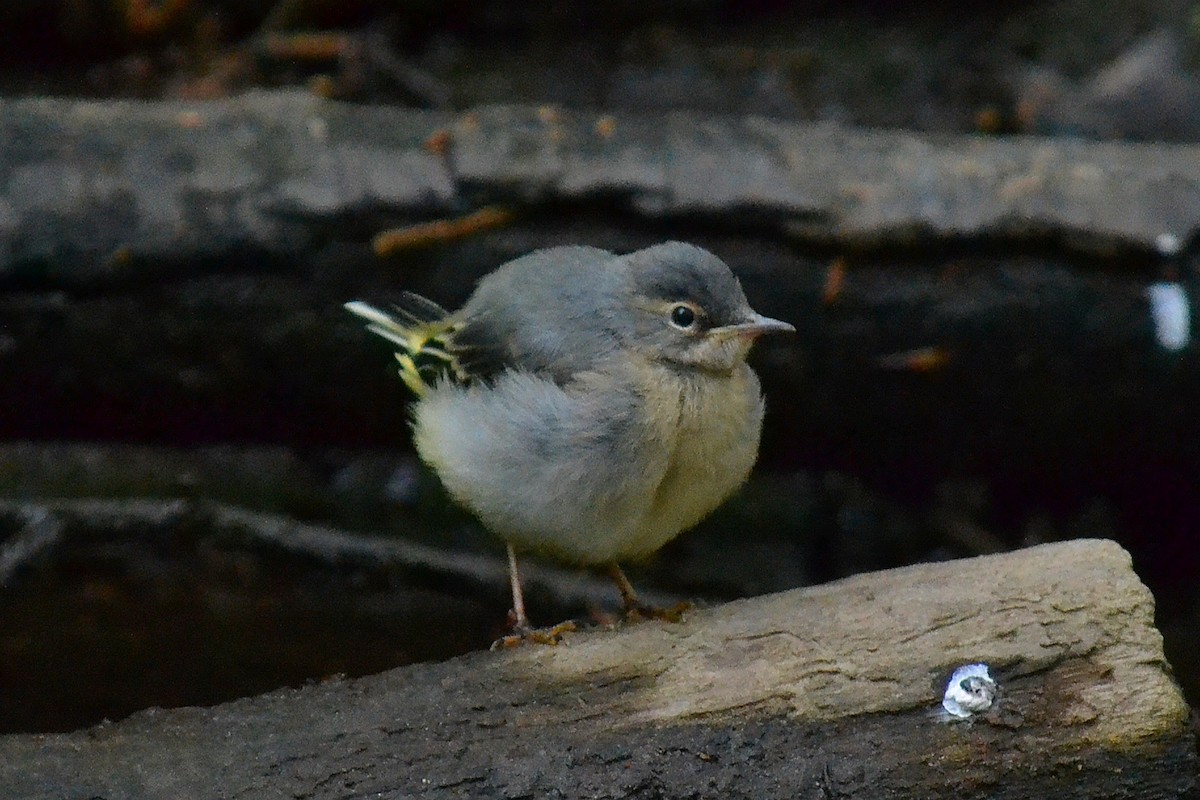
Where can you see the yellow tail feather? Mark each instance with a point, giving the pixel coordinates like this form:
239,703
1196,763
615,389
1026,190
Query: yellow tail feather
414,340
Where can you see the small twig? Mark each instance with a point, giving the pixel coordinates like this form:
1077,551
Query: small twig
388,242
305,46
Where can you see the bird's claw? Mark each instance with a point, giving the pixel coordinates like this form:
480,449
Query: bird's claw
525,634
639,612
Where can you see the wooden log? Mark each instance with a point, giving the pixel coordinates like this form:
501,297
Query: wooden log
825,692
97,190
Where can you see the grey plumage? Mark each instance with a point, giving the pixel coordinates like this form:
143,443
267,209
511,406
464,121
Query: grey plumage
593,406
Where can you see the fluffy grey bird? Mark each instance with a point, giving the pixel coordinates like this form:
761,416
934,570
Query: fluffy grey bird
586,405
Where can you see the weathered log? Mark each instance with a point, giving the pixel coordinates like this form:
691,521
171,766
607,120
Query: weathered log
826,692
93,189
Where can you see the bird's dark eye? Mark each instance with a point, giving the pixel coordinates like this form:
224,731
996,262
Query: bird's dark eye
683,317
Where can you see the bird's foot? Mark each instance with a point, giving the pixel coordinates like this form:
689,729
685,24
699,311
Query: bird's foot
635,609
524,633
640,612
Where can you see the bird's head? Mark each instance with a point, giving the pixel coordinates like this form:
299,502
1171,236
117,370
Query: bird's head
688,309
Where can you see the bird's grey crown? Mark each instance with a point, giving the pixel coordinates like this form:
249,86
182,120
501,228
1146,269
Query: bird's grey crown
562,310
679,271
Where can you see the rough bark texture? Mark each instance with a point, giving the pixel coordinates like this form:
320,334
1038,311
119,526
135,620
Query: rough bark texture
826,692
90,188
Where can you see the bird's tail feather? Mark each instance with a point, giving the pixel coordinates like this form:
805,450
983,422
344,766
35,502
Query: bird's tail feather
418,328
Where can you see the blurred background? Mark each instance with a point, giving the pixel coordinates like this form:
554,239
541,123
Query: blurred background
207,486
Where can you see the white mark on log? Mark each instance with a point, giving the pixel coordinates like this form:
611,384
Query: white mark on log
1171,312
1167,244
971,691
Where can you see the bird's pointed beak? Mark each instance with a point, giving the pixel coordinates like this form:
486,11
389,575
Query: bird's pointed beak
756,325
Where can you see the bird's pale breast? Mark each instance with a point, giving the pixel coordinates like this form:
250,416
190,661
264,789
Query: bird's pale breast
609,467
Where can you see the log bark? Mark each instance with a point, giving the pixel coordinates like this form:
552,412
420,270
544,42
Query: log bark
826,692
94,190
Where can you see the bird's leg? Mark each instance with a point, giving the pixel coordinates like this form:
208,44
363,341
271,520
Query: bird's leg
629,596
635,609
522,631
520,620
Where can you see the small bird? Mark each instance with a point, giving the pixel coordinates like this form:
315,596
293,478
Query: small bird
585,405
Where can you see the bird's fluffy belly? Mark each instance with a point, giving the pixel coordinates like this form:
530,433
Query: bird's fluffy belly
592,474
